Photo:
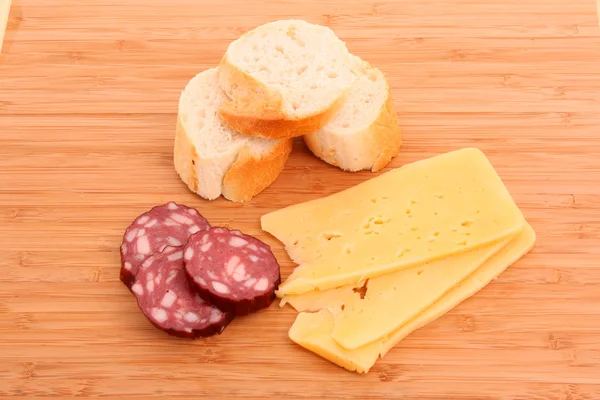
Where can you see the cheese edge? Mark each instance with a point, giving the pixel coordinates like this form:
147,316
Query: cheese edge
324,346
482,277
352,341
302,285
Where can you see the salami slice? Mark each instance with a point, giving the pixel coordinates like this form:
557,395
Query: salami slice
234,271
169,224
168,300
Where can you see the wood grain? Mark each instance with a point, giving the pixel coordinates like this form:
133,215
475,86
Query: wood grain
88,96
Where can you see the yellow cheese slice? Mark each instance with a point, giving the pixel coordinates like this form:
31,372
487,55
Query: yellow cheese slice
489,271
319,299
402,294
393,299
409,216
313,332
4,10
305,328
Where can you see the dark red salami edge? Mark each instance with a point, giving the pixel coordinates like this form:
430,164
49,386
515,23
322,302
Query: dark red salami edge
127,276
211,330
240,307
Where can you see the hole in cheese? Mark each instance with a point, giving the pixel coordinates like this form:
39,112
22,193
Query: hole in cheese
362,291
331,235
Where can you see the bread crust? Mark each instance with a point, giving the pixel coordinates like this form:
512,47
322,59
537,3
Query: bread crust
386,134
257,111
369,149
184,157
247,176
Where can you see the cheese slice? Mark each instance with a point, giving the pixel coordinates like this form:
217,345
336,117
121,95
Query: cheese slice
402,294
319,299
489,271
393,299
427,210
4,10
313,330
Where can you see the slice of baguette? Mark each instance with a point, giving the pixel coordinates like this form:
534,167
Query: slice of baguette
211,158
284,79
364,133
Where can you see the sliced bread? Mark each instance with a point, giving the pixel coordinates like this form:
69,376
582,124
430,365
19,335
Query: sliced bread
364,133
284,79
213,159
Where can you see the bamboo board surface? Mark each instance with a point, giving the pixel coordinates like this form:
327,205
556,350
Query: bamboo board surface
88,97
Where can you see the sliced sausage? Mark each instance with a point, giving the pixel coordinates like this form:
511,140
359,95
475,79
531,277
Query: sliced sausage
234,271
169,224
168,300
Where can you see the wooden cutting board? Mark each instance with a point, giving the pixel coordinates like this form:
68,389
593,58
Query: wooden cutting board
88,97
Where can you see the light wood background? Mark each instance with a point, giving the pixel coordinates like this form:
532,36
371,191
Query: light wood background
88,96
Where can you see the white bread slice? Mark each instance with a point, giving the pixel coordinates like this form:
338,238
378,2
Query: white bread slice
284,78
4,11
211,158
364,133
